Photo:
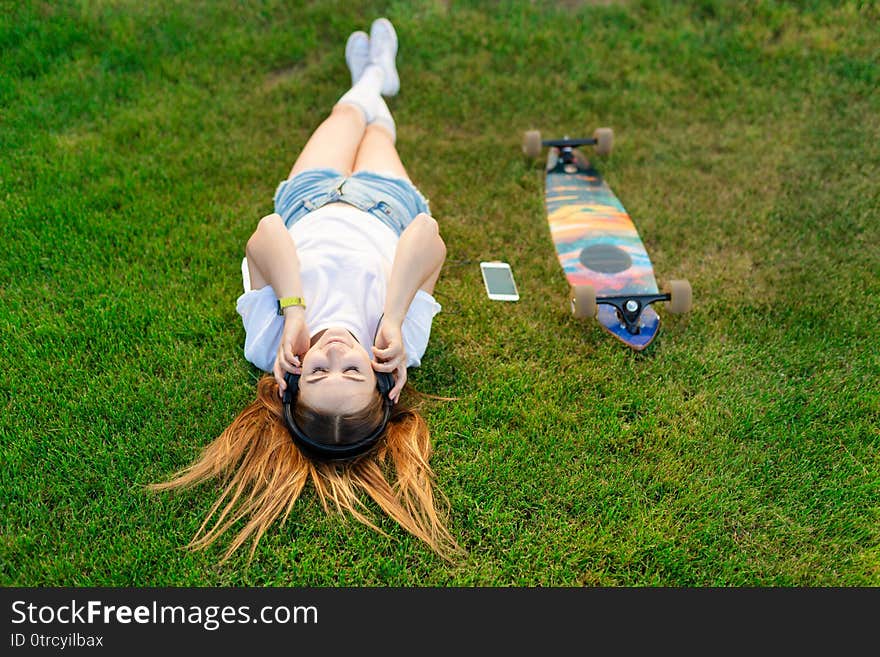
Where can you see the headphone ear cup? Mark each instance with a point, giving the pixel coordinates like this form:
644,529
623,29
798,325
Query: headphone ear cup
385,381
290,393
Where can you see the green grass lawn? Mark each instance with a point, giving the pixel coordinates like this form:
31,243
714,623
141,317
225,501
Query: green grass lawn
141,142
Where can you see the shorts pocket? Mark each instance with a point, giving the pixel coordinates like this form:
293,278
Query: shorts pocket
385,213
293,211
381,207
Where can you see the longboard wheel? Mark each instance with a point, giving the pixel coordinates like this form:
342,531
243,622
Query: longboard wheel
604,140
583,301
681,296
532,143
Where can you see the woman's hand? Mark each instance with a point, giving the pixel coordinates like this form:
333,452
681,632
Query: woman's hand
292,347
389,355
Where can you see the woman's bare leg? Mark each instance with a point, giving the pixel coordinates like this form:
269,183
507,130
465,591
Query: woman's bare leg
334,144
378,154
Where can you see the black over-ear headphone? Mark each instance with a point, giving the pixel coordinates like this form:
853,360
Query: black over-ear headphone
335,453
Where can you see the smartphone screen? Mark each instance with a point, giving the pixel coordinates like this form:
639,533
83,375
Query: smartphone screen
499,282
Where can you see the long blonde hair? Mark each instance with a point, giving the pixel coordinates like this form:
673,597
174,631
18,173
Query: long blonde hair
264,473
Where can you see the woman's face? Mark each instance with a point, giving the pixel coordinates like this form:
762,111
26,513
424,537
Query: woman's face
337,376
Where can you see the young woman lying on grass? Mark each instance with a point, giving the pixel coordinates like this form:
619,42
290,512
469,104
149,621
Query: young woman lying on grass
337,304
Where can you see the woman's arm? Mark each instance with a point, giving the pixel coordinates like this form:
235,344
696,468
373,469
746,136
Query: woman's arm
420,254
272,260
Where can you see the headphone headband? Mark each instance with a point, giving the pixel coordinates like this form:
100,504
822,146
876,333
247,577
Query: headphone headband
334,453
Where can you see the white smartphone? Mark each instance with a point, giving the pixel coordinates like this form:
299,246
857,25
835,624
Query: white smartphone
498,279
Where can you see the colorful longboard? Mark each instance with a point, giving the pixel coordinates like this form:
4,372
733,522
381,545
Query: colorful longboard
599,247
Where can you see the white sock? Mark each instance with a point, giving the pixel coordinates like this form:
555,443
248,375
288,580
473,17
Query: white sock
383,118
366,93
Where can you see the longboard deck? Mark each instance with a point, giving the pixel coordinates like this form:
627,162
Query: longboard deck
598,244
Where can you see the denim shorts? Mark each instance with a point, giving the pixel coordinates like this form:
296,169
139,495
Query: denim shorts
394,201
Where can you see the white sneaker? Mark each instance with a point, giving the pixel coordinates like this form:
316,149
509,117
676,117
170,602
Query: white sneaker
357,54
383,52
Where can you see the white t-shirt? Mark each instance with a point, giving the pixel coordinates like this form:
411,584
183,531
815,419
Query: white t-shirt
345,259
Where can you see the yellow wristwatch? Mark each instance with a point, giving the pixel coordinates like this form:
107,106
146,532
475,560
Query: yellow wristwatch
286,302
